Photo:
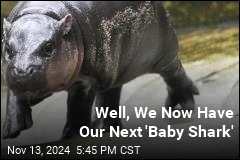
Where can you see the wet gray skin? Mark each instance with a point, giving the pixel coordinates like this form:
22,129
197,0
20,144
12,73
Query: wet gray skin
89,49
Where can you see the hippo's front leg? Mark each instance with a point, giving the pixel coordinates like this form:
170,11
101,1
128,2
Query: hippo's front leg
109,98
18,116
79,106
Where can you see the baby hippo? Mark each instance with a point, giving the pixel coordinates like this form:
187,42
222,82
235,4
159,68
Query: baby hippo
89,49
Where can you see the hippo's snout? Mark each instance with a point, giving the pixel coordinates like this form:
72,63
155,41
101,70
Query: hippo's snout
29,80
29,73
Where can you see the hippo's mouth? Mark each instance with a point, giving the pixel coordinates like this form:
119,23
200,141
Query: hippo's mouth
26,94
30,94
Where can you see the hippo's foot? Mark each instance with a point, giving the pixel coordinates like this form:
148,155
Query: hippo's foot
73,131
70,133
106,123
112,122
182,96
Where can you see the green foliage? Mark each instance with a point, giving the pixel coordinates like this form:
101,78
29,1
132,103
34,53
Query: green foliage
188,13
207,43
6,7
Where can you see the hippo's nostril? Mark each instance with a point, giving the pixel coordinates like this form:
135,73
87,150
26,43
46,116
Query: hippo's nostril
31,71
15,72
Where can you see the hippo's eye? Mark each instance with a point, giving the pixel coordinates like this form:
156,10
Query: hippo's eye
49,49
9,52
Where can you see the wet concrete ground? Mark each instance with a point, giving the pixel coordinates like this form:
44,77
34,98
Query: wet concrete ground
218,83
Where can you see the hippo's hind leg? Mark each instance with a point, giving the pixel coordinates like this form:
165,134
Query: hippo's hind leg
79,105
180,87
109,98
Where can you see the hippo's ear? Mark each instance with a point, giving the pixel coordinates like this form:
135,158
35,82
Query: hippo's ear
66,24
6,27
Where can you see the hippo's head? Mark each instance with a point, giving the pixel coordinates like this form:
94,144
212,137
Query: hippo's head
40,55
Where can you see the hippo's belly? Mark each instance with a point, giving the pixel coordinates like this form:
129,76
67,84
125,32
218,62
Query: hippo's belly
139,52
